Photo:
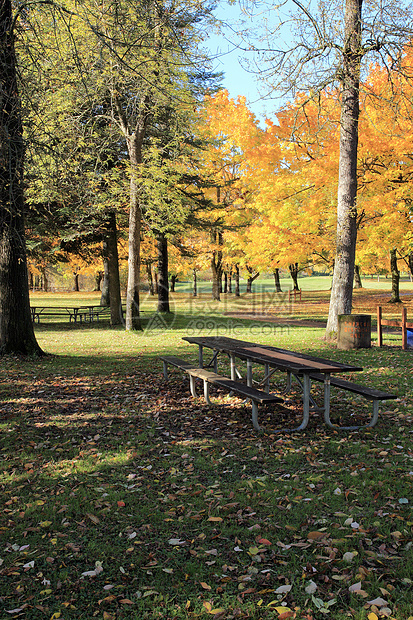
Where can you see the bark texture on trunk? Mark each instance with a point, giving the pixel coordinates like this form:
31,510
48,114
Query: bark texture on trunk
342,287
16,327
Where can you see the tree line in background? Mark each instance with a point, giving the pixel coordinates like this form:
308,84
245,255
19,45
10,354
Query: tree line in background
133,153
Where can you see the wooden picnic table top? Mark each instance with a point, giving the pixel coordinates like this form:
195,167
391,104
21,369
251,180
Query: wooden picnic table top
291,361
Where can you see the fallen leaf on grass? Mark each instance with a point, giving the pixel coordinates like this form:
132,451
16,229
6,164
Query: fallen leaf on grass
212,610
316,535
283,589
93,573
93,518
379,602
17,610
176,541
279,609
205,585
311,587
215,519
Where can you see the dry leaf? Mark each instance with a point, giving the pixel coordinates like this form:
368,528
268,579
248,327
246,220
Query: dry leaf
316,535
205,585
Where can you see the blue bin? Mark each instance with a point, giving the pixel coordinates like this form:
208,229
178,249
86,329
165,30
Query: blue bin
409,338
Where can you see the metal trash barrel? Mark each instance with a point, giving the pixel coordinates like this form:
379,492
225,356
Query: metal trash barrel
354,331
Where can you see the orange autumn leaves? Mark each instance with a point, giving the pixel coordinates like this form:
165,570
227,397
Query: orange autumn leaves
284,176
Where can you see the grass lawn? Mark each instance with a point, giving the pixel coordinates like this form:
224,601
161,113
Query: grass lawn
124,497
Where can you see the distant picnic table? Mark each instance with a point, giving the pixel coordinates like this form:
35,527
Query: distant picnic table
78,314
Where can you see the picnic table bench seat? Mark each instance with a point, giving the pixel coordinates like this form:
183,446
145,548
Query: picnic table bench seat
368,393
211,378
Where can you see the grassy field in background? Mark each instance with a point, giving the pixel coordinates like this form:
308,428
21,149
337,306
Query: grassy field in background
124,497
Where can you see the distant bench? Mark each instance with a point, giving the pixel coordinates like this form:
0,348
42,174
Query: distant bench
87,314
211,378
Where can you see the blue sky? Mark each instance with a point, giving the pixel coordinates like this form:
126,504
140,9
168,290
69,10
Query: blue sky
237,80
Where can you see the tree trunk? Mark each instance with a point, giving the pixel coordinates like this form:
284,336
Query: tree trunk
116,315
134,237
45,287
411,265
395,278
230,281
357,277
76,281
174,278
294,275
216,276
225,282
16,326
163,288
277,282
342,287
237,292
195,284
105,297
150,278
98,280
251,279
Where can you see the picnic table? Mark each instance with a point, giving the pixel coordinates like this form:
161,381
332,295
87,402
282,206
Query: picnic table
305,368
74,313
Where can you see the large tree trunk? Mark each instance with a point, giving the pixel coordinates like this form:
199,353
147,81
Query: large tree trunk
395,278
163,288
16,327
342,288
